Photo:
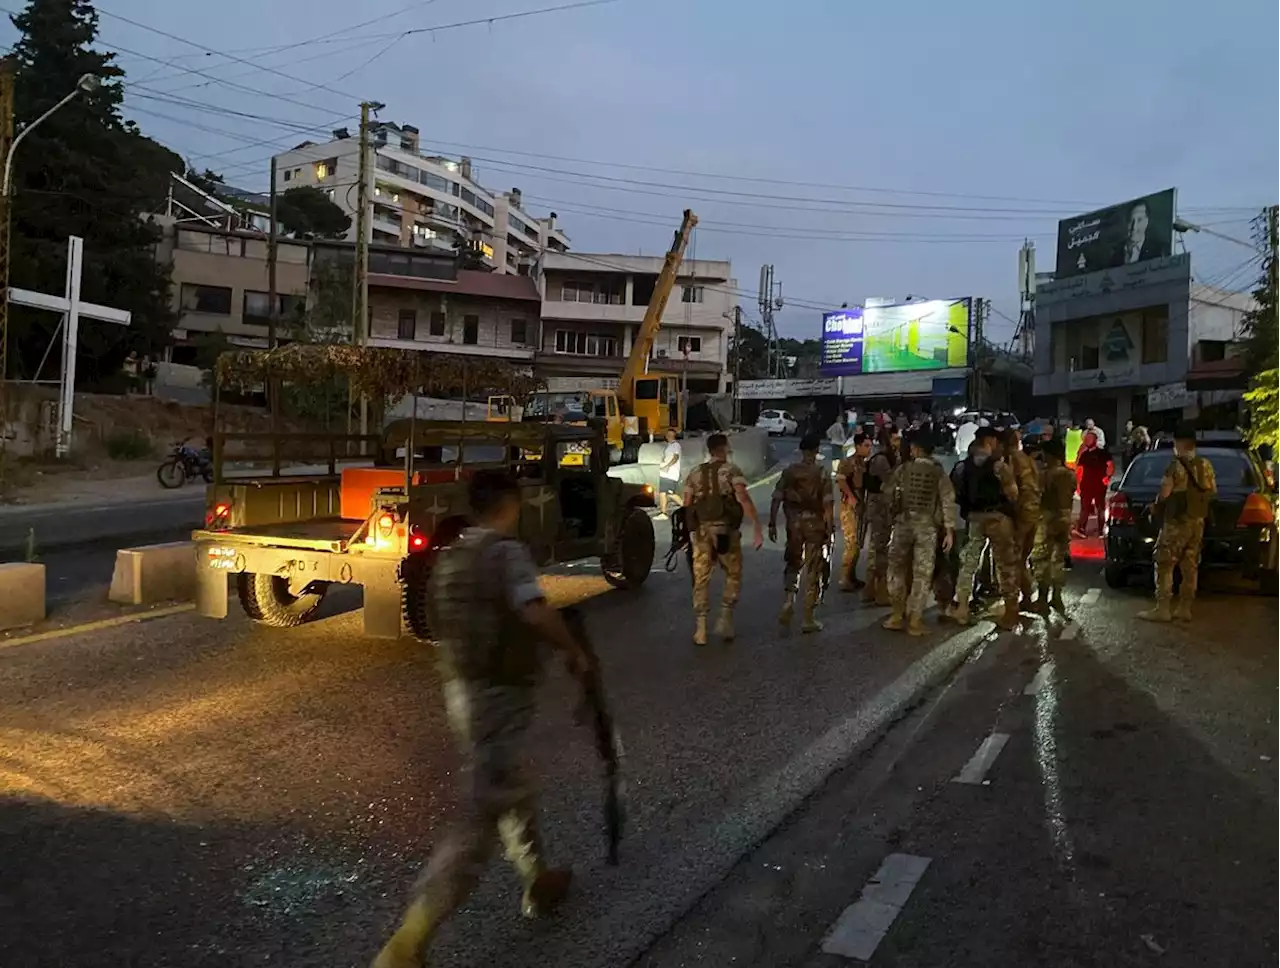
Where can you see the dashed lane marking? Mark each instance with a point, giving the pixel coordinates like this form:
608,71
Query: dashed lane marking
1069,632
975,771
862,925
1037,683
1091,596
105,623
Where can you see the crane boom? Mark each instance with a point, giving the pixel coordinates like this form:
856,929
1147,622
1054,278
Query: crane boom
652,322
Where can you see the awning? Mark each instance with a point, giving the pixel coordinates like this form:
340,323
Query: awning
950,386
1229,374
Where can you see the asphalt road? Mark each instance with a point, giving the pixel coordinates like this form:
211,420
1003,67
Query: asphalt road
98,525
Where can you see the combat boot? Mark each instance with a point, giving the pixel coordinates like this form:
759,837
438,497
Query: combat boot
788,607
1160,613
700,630
405,948
915,624
811,623
869,590
545,892
882,591
959,614
1041,605
1009,617
1182,611
896,620
1055,601
724,623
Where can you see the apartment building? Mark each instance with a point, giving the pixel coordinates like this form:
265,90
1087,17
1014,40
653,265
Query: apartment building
422,201
592,307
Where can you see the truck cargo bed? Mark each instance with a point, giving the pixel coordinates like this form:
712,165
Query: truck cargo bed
324,534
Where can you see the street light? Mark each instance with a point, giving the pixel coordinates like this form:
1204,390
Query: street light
87,84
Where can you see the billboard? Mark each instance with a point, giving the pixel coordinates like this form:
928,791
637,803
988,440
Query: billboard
1135,231
931,335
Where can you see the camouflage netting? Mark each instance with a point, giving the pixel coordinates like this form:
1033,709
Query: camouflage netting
375,371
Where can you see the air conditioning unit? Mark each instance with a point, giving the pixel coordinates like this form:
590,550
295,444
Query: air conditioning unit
662,354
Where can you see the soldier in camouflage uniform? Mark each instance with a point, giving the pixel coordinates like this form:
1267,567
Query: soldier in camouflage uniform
486,602
991,496
716,499
923,501
1027,508
879,515
1053,533
1187,491
804,490
851,475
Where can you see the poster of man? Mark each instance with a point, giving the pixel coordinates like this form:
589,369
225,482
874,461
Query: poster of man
1135,231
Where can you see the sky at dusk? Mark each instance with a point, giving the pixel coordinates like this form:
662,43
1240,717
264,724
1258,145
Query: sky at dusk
864,149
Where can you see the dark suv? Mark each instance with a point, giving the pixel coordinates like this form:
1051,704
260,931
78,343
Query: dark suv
1240,532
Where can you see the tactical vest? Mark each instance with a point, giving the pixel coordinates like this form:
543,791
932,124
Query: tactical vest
1028,477
982,485
874,483
918,486
713,507
802,489
1192,502
479,637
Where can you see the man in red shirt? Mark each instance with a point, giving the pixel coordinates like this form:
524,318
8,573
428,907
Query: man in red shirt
1094,468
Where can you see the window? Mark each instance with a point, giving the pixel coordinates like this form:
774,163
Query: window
325,169
471,330
1155,336
585,344
215,300
257,304
691,294
407,324
288,174
436,326
209,242
519,331
689,344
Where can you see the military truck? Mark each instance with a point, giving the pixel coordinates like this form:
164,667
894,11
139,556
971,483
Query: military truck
282,541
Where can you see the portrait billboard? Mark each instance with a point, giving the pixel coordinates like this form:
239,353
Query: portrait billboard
1136,231
897,338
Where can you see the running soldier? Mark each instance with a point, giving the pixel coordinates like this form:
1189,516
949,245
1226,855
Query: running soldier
804,491
1027,509
923,501
1188,488
1053,534
852,474
879,516
715,494
486,602
991,496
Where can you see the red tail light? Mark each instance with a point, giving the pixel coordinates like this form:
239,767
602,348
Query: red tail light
1118,510
417,540
1257,510
218,516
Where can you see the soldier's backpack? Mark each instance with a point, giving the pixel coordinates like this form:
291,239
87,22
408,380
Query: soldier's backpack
1191,503
713,507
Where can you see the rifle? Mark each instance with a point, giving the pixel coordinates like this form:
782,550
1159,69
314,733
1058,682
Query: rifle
681,540
594,706
824,578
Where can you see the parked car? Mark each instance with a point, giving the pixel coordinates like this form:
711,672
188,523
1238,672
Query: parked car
777,423
1240,532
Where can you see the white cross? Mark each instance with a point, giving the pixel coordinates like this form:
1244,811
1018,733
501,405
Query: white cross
540,501
71,308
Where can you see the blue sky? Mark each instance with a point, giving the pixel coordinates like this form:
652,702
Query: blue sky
934,136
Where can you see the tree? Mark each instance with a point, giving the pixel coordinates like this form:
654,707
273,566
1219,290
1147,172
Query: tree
755,352
207,180
307,213
85,171
1262,343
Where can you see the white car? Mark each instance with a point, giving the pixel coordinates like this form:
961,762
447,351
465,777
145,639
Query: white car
777,423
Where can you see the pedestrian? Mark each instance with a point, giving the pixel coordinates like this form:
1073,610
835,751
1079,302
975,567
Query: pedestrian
851,476
717,500
1053,531
991,495
836,436
490,615
1027,510
923,502
1092,428
1094,468
804,492
1136,441
669,472
1186,492
879,518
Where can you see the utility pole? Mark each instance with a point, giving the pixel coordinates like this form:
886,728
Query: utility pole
975,349
360,280
737,365
768,303
1026,332
6,148
272,247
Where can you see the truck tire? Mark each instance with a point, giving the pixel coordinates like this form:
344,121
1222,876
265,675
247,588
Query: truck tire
1116,576
413,596
629,564
266,599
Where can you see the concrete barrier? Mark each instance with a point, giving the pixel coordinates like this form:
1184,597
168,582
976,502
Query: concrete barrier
751,452
154,573
22,594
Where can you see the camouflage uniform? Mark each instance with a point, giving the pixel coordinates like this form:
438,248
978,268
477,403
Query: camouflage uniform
805,492
879,526
853,469
924,500
1027,476
1181,534
724,478
1053,535
491,665
997,528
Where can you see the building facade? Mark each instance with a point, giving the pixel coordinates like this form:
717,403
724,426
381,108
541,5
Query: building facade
422,201
592,307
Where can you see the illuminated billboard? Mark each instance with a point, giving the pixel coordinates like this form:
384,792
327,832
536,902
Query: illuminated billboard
931,335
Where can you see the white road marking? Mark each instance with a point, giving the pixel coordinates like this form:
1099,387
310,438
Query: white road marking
1069,632
862,925
976,769
1091,596
1035,684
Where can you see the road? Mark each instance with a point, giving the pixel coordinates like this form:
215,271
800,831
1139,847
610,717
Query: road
197,793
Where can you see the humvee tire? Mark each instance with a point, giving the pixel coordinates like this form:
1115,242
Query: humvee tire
266,599
629,564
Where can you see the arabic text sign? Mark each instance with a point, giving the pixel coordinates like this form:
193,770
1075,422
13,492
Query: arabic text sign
1125,234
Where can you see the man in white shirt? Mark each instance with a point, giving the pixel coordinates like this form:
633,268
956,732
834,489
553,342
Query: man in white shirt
966,433
669,472
1091,428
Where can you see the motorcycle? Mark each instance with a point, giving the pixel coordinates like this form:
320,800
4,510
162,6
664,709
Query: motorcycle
185,463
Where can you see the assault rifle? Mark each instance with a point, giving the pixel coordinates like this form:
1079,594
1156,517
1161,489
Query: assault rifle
594,707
